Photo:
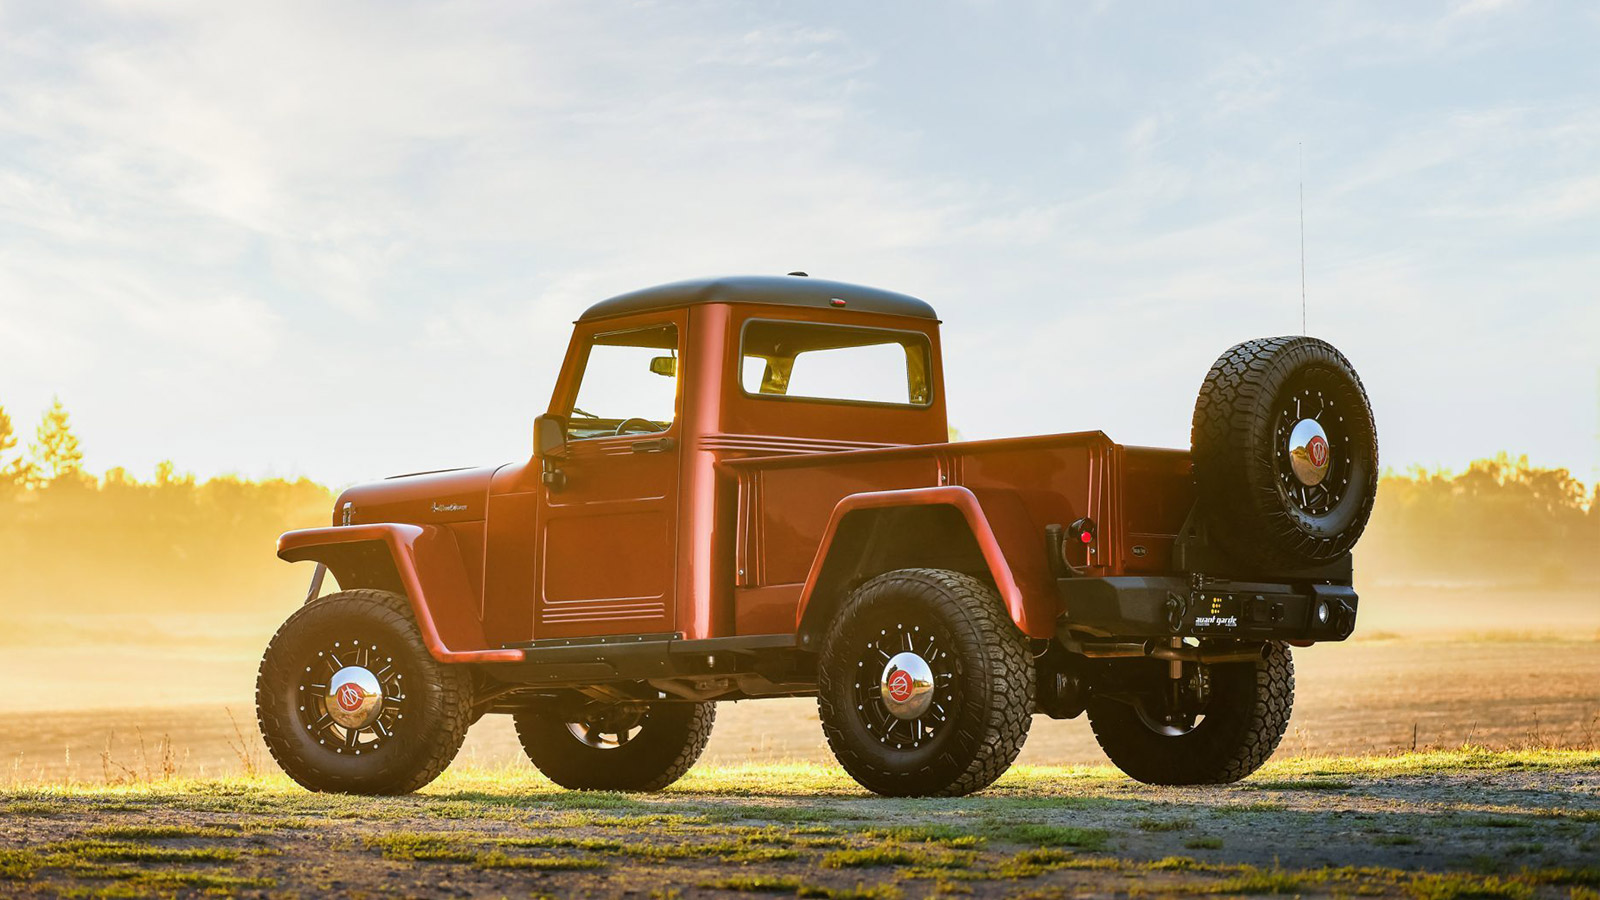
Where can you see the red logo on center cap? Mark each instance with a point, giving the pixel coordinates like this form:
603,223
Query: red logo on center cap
1317,449
900,686
350,697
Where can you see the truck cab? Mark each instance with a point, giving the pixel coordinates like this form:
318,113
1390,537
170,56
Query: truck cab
662,387
734,474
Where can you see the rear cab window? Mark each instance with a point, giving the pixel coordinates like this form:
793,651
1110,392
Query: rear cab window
808,361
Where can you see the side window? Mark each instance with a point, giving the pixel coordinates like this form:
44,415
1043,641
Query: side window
629,384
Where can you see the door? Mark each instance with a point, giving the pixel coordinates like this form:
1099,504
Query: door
608,535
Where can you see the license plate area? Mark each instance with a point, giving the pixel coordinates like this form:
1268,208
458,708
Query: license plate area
1217,613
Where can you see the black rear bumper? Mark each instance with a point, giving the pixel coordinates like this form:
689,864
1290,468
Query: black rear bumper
1176,606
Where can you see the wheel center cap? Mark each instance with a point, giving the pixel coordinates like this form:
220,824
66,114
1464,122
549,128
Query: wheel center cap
355,699
1308,452
907,685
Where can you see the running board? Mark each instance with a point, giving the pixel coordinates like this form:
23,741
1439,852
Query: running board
633,657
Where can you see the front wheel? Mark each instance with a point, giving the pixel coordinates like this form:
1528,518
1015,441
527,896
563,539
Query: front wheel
349,699
616,747
1225,723
924,685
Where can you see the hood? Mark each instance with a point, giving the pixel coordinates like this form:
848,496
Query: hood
451,495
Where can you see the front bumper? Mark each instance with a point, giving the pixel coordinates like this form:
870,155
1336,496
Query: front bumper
1176,606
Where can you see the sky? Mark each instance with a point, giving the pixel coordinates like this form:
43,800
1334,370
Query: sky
346,240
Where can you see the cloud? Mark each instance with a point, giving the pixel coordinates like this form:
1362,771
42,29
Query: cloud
1483,7
267,204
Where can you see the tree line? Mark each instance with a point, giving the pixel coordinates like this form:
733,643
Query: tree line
1503,519
71,540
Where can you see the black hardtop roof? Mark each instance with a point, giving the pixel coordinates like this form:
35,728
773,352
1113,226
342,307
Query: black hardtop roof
783,290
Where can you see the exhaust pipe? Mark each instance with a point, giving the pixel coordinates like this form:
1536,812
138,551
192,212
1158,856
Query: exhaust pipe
1153,650
1204,655
1111,651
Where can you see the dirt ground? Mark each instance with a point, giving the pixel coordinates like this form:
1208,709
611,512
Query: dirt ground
1427,826
1430,666
1359,697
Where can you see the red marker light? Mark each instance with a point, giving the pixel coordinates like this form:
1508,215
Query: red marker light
837,302
1084,529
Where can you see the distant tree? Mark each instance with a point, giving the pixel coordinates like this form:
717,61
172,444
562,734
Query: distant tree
168,476
10,475
55,455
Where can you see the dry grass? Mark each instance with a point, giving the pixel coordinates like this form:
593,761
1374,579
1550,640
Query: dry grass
784,782
1432,821
161,765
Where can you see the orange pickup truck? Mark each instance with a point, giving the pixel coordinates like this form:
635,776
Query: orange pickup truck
744,488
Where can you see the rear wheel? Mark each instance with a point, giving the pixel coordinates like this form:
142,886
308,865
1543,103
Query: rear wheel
616,747
924,686
1216,725
349,699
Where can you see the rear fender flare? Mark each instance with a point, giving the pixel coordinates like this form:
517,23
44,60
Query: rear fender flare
422,562
1003,542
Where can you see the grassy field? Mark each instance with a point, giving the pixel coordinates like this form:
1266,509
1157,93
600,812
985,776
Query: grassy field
1429,826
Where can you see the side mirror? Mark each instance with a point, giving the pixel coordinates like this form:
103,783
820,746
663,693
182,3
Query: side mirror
549,435
665,365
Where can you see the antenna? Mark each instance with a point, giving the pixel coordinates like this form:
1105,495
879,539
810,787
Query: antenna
1302,146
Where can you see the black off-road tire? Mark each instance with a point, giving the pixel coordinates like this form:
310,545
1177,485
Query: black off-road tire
1244,720
991,695
435,706
1240,451
669,741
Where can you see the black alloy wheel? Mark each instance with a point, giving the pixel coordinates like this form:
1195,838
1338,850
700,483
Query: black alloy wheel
351,696
907,684
1314,449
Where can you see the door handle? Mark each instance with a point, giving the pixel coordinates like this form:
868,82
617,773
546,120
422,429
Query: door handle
657,445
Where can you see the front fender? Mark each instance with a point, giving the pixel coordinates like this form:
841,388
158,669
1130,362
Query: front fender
999,526
421,561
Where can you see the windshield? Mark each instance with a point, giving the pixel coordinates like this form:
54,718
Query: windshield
629,385
841,363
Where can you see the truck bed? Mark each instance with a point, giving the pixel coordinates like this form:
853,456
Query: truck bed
1139,496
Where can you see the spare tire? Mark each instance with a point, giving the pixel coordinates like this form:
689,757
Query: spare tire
1285,453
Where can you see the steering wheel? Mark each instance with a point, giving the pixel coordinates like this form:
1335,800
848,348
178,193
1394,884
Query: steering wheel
622,427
